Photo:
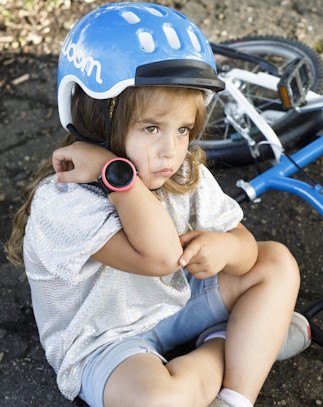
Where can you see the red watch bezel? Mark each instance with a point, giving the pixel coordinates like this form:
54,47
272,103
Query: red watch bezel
113,188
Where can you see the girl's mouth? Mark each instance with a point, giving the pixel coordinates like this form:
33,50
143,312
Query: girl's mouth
164,172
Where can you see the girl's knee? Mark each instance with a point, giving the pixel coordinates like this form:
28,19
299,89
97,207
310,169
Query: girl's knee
275,268
280,261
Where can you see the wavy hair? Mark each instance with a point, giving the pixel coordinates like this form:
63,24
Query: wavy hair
89,121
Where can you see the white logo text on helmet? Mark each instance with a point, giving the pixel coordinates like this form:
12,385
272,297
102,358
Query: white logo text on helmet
84,63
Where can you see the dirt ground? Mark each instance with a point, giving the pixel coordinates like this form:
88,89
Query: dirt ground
31,33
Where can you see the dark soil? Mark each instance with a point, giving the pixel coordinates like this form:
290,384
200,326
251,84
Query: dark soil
31,33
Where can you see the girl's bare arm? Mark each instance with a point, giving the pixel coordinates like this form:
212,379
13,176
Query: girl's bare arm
148,244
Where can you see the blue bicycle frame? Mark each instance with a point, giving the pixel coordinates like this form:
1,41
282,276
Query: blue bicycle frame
278,177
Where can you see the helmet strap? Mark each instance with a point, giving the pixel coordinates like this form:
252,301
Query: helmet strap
107,120
79,136
107,114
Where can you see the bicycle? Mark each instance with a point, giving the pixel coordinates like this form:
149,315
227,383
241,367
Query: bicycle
249,121
267,109
279,177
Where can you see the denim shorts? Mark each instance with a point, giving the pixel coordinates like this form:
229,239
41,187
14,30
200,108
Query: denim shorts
204,309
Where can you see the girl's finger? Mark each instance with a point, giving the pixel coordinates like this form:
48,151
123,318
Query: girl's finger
190,251
66,176
201,275
187,237
59,159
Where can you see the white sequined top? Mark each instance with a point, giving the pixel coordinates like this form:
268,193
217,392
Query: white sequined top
80,304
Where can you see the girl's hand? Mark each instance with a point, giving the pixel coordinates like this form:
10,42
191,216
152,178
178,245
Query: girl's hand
205,253
79,162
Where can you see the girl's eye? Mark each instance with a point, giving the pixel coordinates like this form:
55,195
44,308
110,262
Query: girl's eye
184,131
151,129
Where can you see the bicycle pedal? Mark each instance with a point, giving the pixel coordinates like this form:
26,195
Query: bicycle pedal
295,82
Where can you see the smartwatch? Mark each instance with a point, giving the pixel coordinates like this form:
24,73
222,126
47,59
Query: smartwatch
118,175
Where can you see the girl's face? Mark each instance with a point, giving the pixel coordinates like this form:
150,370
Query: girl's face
157,141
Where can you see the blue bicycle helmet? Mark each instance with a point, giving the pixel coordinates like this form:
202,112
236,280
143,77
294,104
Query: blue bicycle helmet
133,44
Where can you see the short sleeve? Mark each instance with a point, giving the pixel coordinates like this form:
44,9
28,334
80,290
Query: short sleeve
213,209
68,223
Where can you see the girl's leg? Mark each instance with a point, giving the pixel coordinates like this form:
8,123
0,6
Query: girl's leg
261,304
192,380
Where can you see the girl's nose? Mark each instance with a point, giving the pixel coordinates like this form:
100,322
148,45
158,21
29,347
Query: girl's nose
168,146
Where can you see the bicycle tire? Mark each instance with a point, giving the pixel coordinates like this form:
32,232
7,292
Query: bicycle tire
291,127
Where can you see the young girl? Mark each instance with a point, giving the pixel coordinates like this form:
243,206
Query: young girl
153,254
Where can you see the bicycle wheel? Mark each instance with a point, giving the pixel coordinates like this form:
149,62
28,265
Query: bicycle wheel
222,143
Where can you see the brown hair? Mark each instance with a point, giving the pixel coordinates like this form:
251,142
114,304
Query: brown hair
88,119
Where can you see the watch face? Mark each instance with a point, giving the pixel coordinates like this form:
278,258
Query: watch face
119,173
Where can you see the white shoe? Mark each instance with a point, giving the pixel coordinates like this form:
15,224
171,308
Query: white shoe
217,402
298,337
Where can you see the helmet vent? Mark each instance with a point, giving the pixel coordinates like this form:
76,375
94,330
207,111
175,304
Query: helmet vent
195,42
154,12
146,41
130,17
172,37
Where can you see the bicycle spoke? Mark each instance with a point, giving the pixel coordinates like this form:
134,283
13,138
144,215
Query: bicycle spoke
223,140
